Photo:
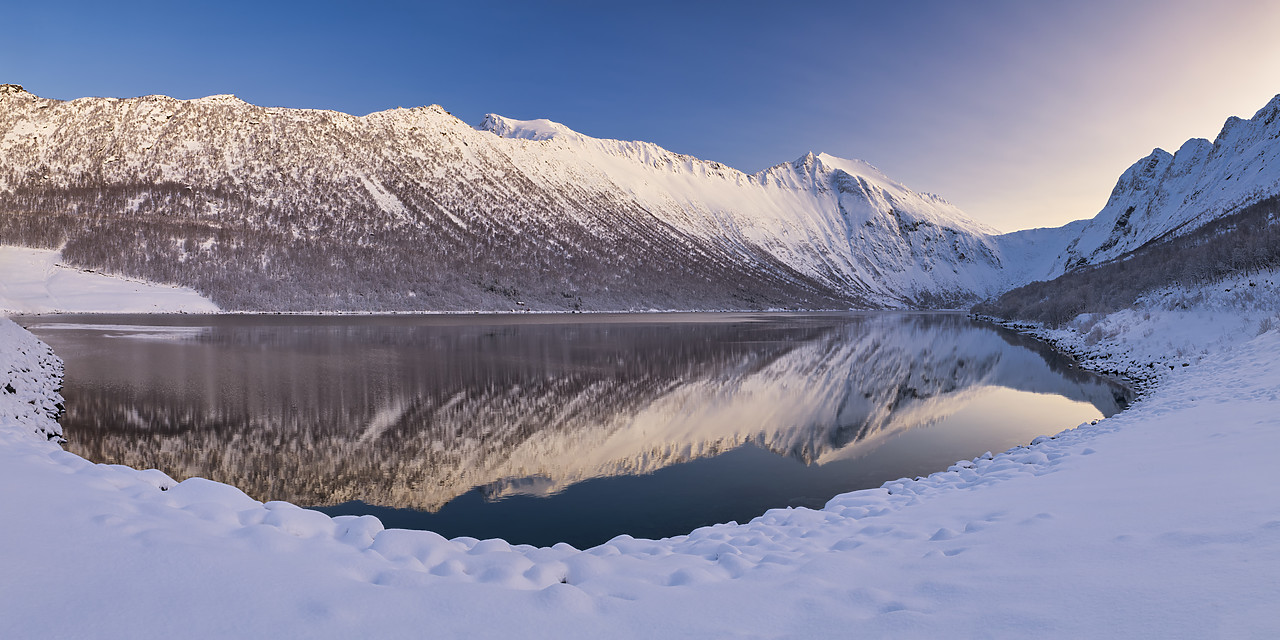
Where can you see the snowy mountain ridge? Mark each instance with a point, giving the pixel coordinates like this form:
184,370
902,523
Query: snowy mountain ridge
519,211
841,221
1167,194
539,129
413,209
1159,196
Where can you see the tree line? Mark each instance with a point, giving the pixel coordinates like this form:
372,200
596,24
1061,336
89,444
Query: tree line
245,253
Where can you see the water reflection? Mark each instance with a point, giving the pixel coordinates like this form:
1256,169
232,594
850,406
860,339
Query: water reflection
415,412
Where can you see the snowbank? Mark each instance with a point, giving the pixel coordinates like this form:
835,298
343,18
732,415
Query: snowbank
1162,521
34,281
1171,327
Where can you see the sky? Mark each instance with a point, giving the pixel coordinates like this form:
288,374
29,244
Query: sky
1023,113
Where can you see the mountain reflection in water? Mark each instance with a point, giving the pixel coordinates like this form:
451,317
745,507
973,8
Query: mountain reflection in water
413,412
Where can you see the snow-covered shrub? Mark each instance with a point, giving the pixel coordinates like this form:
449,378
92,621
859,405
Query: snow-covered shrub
1094,336
1267,324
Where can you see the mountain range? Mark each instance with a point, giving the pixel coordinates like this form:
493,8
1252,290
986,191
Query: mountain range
411,209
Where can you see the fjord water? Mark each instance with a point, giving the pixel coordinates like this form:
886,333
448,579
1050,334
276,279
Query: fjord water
540,429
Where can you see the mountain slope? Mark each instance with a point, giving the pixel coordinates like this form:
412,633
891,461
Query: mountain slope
1165,195
412,209
35,281
1208,212
842,222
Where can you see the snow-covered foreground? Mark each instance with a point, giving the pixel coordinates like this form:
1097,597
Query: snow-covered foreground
34,281
1162,521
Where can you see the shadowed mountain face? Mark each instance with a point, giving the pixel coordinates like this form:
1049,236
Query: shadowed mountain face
412,412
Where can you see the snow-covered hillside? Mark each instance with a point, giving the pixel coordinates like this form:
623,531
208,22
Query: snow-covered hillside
841,222
414,209
1167,194
272,208
36,281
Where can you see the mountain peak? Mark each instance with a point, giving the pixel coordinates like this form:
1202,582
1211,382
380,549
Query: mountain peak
221,98
852,166
812,160
1270,108
539,129
1261,120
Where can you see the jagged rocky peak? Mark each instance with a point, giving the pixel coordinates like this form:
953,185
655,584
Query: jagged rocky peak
1270,110
1142,174
1164,194
12,88
806,161
1192,152
1264,118
1160,165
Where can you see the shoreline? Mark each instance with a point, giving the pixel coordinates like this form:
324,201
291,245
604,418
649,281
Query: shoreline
1031,331
511,313
1139,383
576,593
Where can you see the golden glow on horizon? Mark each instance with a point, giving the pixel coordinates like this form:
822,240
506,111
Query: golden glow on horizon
1046,134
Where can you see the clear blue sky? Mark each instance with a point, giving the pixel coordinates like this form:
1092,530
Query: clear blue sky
1023,113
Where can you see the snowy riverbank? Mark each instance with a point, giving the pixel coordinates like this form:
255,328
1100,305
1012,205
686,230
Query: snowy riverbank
36,281
1162,521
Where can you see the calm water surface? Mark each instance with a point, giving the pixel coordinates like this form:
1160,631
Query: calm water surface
541,429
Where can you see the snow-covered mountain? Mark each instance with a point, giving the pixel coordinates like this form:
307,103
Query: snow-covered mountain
841,222
1165,195
414,209
295,209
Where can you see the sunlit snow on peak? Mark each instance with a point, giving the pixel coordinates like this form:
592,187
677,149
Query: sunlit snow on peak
221,98
539,129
